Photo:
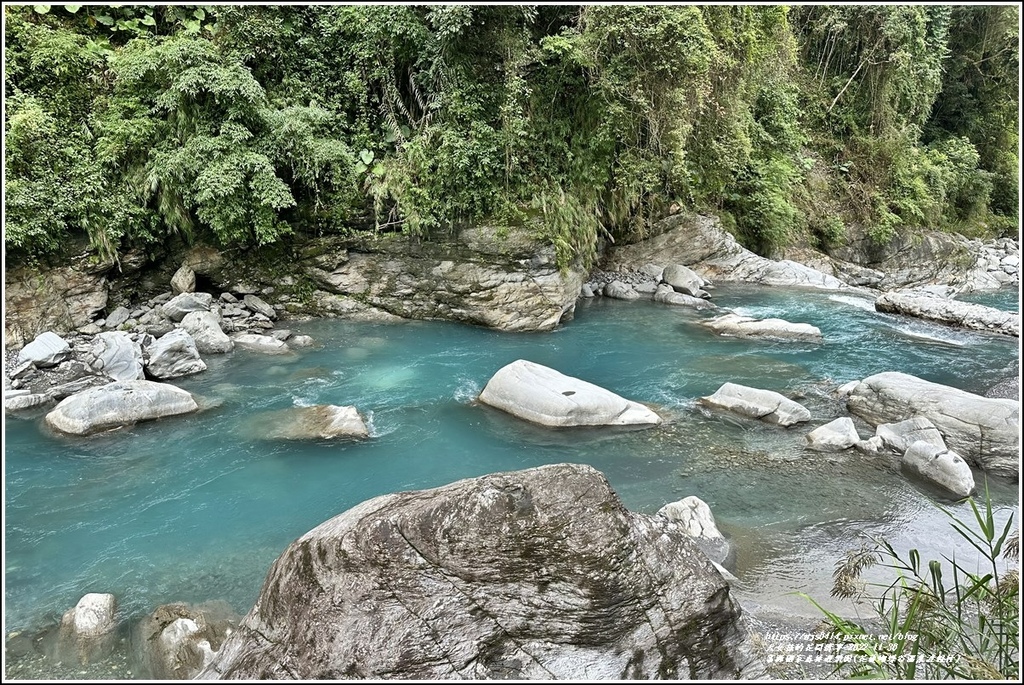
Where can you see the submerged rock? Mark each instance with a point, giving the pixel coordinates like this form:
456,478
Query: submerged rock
260,343
320,421
542,395
694,517
747,327
953,312
178,640
755,403
87,630
940,466
986,431
531,574
119,404
834,436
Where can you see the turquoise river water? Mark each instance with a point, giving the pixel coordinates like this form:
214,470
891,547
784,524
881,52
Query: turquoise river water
197,507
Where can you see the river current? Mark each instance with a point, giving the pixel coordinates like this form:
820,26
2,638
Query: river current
196,508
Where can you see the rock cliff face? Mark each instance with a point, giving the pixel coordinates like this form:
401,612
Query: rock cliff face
62,298
701,243
531,574
496,278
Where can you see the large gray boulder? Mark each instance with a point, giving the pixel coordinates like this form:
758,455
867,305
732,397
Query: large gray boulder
204,327
617,290
833,436
47,349
747,327
530,574
694,518
985,431
119,404
183,280
684,280
258,306
940,466
665,294
320,421
182,304
901,435
542,395
117,355
173,355
87,630
952,312
756,403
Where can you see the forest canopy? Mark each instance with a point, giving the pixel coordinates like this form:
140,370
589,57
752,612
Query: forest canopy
246,124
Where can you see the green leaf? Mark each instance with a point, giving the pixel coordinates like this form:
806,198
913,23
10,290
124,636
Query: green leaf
378,170
199,14
72,9
361,168
105,20
41,9
192,26
366,156
148,20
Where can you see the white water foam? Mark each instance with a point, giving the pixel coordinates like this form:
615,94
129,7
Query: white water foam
858,302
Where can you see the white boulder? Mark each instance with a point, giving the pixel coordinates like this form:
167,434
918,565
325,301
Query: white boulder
755,403
87,630
834,436
260,343
116,355
748,327
119,404
204,327
940,466
48,349
693,515
984,430
542,395
173,355
321,421
901,435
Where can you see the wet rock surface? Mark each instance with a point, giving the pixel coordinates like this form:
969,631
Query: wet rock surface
531,574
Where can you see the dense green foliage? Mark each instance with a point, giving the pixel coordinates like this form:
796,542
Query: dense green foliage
248,123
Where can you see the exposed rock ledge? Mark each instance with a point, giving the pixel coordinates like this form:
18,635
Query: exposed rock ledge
960,314
701,243
539,573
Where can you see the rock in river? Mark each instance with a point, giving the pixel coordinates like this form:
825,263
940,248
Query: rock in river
87,630
952,312
320,421
530,574
986,431
119,404
173,355
545,396
757,404
834,436
747,327
694,517
942,467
